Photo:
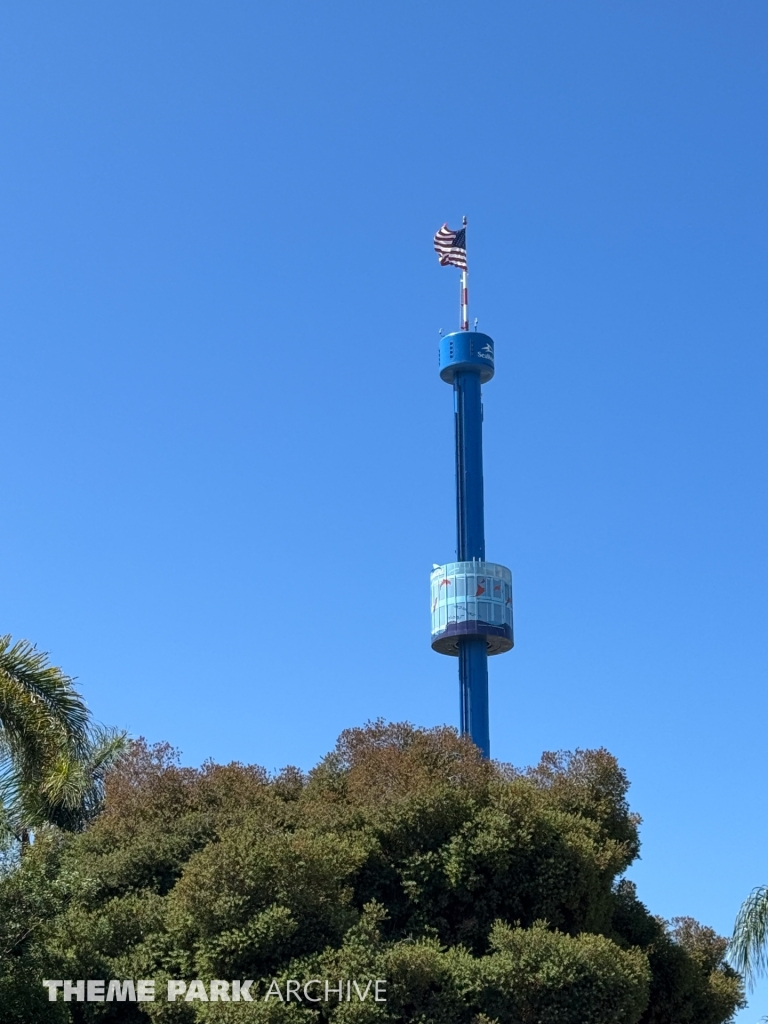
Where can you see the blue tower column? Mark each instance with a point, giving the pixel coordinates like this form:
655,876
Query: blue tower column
470,508
471,598
473,687
470,546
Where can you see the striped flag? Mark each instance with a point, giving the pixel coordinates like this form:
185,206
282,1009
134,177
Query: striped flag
451,247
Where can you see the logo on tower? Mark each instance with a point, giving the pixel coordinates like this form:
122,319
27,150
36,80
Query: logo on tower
486,352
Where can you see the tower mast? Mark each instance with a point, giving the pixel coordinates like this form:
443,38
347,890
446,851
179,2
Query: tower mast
464,297
471,598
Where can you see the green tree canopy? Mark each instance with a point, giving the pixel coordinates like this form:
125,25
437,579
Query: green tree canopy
481,893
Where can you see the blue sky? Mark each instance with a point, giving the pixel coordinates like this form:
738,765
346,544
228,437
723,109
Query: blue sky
227,456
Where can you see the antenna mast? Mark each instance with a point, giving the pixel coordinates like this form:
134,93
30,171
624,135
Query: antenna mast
464,298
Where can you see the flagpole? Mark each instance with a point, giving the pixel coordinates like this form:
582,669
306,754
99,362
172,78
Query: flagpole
464,313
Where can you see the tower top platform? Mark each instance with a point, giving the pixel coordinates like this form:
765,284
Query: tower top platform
467,351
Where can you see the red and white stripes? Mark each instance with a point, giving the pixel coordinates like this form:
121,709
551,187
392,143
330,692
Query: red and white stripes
451,249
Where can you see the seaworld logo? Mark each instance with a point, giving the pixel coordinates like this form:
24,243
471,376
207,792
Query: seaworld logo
486,352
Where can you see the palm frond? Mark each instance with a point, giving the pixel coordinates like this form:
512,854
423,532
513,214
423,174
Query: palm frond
748,948
36,699
71,792
71,779
52,759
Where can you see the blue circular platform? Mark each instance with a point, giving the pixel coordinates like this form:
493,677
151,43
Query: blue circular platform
468,351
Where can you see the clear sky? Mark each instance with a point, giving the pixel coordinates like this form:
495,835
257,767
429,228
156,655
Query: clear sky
227,458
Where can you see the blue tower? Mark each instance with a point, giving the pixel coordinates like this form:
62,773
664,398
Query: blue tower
471,597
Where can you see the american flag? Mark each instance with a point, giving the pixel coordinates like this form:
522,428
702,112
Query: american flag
451,247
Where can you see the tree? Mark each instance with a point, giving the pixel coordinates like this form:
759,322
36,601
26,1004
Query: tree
71,792
482,893
748,948
52,759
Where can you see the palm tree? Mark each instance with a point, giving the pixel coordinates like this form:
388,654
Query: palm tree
71,792
748,948
52,759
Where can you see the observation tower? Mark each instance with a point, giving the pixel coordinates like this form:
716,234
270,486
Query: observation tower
471,597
